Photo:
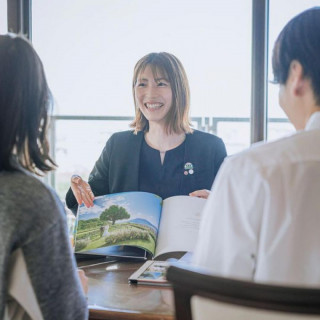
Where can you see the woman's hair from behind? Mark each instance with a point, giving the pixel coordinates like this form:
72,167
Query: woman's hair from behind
299,40
24,103
165,64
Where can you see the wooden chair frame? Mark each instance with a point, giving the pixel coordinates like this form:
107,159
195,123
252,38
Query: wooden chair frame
190,281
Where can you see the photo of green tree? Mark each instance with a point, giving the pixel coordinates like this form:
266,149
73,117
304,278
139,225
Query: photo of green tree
130,219
114,213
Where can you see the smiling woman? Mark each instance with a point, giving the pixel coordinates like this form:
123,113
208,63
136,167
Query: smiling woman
162,154
153,96
211,38
161,96
164,73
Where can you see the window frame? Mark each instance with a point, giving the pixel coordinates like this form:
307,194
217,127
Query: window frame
20,21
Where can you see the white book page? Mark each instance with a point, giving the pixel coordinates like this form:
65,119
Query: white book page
179,224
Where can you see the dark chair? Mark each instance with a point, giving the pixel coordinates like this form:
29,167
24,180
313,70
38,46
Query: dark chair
199,295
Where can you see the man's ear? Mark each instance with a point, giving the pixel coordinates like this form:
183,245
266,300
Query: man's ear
296,79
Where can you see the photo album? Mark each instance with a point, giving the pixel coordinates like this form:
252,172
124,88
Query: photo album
138,225
152,272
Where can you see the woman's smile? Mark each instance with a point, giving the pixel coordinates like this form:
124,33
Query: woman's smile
153,95
153,106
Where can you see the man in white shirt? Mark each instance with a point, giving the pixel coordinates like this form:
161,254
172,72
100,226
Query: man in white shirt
262,219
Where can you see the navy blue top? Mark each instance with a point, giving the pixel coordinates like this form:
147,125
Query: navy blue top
164,180
123,166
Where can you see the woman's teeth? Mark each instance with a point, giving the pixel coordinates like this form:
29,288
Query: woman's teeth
153,105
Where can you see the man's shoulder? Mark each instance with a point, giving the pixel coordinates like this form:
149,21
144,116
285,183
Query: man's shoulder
287,149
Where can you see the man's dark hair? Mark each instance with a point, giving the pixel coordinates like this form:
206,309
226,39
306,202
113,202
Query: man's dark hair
24,102
299,40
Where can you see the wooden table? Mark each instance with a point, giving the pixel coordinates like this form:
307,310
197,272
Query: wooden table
112,297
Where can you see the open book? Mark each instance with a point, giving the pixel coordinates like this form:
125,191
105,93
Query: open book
138,224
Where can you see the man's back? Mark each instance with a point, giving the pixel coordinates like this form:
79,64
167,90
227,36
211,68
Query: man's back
266,210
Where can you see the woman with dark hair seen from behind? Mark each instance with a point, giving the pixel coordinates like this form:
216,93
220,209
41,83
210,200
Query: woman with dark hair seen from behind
32,218
162,154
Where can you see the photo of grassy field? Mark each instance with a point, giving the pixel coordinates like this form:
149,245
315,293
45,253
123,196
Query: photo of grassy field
130,218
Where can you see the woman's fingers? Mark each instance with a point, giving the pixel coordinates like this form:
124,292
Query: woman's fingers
77,193
82,191
84,281
204,193
86,198
89,191
89,196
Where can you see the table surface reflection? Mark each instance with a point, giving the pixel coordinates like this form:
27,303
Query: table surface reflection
110,295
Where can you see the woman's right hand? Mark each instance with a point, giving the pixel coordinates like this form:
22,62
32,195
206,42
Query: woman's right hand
82,191
84,281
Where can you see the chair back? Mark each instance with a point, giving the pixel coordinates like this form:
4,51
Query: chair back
201,296
21,302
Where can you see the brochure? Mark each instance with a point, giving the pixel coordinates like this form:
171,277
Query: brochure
138,225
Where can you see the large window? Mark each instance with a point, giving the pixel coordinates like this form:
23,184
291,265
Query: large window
3,17
89,49
278,124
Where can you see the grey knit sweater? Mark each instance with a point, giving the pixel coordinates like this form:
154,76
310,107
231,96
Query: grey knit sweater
32,218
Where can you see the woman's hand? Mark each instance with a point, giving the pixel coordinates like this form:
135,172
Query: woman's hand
82,191
204,193
84,281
